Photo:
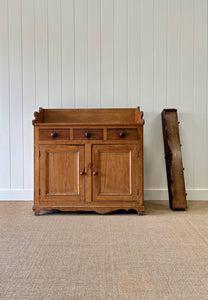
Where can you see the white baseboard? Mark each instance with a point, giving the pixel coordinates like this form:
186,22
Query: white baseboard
162,194
149,194
16,195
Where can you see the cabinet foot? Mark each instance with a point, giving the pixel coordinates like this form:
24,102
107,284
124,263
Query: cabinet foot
36,211
97,209
140,213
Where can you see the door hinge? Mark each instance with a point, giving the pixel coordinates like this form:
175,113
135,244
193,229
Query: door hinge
39,153
137,192
137,153
39,192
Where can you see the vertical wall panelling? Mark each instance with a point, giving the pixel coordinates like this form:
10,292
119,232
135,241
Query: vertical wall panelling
160,54
81,53
104,53
4,98
93,53
28,65
147,54
186,103
16,108
54,53
160,92
67,21
120,53
147,84
134,54
200,90
107,53
41,53
173,53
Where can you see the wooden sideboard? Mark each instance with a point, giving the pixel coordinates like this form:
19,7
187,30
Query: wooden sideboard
88,160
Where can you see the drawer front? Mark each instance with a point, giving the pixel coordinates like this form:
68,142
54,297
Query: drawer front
54,134
87,134
122,134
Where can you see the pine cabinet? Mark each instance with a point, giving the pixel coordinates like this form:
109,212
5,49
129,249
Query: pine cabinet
88,160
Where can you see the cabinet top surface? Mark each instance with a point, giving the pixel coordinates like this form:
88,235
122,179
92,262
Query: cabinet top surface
109,116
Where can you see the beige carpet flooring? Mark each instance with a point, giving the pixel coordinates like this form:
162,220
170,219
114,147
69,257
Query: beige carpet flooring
86,256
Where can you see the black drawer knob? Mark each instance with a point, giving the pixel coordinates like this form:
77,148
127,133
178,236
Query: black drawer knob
88,134
122,134
82,172
53,134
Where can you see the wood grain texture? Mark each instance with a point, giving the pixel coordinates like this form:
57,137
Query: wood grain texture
108,172
173,157
98,208
62,170
130,134
36,166
111,166
61,134
88,175
80,134
115,169
60,178
128,116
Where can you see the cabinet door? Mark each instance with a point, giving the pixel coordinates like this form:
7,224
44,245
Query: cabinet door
60,178
115,171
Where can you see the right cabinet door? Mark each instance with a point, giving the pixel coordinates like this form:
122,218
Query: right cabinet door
115,173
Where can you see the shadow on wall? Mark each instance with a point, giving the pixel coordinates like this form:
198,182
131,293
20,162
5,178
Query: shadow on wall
154,164
194,149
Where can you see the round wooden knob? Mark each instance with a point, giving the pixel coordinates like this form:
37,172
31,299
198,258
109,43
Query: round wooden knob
82,172
88,134
95,173
54,134
122,134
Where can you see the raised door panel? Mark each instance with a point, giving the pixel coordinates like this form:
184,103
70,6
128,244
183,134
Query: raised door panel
115,173
60,177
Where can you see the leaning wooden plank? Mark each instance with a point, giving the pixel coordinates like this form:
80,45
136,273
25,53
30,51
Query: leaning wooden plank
173,158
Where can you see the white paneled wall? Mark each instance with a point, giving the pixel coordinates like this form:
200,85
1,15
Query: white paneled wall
104,53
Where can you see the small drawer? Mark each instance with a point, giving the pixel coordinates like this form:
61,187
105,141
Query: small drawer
54,134
87,134
122,134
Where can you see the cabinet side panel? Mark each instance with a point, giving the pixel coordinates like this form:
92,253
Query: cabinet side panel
36,165
141,167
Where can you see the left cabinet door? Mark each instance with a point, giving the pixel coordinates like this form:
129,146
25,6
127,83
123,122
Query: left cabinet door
62,173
